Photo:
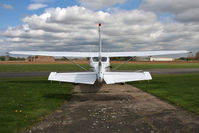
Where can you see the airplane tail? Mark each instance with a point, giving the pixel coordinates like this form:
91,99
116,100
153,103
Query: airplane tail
100,42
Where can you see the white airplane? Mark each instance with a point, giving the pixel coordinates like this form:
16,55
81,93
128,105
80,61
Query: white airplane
99,65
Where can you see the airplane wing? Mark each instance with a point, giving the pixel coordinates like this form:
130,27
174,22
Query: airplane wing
96,54
78,77
121,77
141,53
57,54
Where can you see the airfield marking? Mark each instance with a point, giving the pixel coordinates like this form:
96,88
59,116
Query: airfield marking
116,108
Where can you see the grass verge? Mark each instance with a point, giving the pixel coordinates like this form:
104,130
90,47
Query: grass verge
181,90
157,66
24,101
39,67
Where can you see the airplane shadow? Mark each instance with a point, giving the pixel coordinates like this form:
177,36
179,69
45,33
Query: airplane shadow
85,88
96,92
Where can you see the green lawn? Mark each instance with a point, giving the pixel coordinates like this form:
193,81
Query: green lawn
181,90
23,101
39,67
157,66
72,67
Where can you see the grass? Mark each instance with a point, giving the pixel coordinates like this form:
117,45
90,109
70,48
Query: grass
39,67
24,101
157,66
181,90
72,67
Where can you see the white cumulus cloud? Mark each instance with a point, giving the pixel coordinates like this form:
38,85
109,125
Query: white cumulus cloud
183,10
36,6
75,29
98,4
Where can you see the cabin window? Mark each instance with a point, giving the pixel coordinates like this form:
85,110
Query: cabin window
96,59
104,59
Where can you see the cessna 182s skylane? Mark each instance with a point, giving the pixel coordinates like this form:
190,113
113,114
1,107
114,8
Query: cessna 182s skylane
99,65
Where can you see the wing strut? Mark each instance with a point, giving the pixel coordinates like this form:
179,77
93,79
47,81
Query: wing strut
78,65
115,68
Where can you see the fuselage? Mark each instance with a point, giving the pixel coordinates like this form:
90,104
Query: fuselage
100,66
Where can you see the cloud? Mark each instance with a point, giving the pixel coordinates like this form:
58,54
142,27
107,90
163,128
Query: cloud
36,6
98,4
41,1
75,29
7,6
183,10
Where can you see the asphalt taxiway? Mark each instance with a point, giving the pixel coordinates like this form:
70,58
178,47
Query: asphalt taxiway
152,71
116,109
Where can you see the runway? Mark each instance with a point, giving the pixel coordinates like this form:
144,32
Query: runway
152,71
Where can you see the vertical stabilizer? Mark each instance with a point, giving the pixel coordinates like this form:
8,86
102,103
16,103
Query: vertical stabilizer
100,79
100,43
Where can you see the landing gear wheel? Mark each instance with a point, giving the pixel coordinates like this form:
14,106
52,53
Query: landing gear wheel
122,83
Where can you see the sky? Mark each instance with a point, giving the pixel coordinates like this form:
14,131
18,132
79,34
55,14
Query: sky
71,25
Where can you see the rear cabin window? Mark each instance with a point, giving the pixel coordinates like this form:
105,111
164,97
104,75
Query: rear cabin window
104,59
96,59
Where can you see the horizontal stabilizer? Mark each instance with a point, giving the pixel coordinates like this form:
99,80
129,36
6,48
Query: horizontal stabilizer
121,77
79,77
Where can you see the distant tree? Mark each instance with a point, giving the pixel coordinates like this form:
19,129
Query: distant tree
16,59
120,58
61,59
183,58
197,55
190,57
2,58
